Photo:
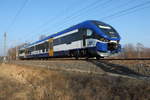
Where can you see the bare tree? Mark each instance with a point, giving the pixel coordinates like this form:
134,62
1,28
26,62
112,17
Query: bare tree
131,51
139,49
12,53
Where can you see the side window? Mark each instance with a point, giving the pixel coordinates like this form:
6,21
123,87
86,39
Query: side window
89,32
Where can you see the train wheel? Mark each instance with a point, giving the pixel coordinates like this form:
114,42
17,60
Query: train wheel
76,58
97,58
87,58
77,54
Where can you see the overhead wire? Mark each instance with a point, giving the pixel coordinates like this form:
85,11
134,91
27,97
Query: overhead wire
133,11
126,10
93,7
17,14
52,20
143,4
112,8
78,12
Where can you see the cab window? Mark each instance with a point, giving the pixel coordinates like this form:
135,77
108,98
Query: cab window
89,32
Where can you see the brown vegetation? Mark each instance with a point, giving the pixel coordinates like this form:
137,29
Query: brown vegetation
138,51
28,83
13,52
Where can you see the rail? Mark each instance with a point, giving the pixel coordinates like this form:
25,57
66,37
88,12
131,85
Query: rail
126,59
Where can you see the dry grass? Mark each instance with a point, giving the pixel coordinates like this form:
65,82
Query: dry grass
131,62
139,66
29,83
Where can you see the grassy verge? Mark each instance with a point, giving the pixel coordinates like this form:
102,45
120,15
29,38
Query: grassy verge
30,83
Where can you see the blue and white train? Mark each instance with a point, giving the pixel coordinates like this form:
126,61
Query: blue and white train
88,39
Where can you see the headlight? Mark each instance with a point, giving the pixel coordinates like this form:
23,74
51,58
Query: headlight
104,40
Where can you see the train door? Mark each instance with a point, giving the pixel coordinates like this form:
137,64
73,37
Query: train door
26,53
84,40
51,51
83,31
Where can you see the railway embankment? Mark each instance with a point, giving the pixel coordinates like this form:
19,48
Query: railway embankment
122,67
139,66
70,80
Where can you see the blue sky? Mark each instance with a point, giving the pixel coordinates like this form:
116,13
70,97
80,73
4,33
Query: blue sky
46,17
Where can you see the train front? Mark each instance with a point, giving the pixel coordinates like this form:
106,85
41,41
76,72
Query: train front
107,40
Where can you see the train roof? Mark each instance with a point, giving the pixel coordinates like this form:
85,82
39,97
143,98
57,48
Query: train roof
85,24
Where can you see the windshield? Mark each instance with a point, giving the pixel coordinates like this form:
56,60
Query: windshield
107,29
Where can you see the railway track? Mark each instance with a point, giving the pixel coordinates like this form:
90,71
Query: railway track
91,66
100,59
49,59
127,59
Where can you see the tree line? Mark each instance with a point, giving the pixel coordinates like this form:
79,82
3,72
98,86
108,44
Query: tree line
134,51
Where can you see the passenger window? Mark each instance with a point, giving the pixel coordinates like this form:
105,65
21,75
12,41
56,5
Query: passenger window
89,32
